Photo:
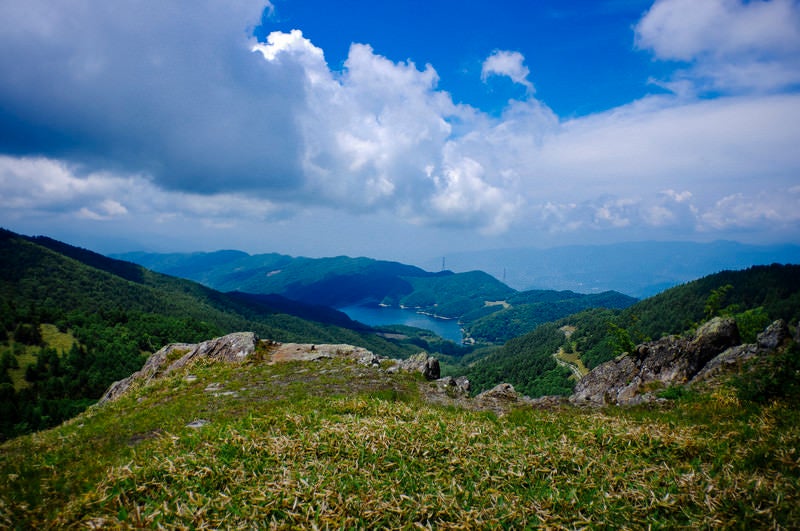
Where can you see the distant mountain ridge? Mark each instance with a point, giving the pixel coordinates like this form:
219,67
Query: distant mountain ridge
639,269
488,310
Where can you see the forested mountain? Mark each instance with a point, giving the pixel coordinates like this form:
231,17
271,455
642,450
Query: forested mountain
489,311
101,316
336,282
526,310
755,297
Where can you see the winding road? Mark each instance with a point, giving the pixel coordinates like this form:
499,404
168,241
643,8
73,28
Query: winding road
574,368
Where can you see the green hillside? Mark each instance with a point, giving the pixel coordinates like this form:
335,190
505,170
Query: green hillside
331,444
755,296
526,310
337,281
489,310
114,313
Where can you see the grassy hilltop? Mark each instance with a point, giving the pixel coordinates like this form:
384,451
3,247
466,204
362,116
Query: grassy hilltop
335,444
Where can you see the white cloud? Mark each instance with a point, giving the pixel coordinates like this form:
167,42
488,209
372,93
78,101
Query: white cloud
226,131
43,187
731,45
679,197
509,64
775,208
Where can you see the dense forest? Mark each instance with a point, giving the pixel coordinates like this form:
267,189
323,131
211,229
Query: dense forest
526,310
106,316
755,297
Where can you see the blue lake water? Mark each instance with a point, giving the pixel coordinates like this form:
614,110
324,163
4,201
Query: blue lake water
382,316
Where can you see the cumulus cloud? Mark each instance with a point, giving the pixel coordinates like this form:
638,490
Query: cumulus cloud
120,112
776,209
730,45
509,64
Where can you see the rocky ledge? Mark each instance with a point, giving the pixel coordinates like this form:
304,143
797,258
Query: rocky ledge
244,346
633,377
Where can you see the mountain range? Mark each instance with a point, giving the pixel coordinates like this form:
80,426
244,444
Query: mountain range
488,310
74,320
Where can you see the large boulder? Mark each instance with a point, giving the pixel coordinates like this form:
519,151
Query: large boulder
460,386
422,363
774,335
498,399
233,347
284,352
669,361
770,339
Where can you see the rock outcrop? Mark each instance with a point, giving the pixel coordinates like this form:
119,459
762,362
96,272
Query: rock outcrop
669,361
422,363
283,352
458,387
233,347
770,339
243,345
499,398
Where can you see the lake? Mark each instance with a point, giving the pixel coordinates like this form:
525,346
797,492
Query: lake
382,316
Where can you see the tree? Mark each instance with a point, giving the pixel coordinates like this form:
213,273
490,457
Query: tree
28,334
714,302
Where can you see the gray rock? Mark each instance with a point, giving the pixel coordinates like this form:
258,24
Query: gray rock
725,362
770,339
230,348
423,363
284,352
457,386
774,335
715,336
669,361
503,393
548,402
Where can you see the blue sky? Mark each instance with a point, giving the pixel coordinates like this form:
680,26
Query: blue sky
580,53
399,130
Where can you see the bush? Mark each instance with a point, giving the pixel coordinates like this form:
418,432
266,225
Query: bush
777,377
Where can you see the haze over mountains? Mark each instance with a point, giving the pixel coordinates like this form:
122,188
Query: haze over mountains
639,269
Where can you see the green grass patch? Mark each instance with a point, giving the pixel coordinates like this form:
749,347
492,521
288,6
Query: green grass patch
56,339
334,444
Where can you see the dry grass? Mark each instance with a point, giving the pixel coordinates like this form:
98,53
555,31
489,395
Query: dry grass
334,445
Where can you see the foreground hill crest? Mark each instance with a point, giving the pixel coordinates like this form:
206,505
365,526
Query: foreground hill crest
243,346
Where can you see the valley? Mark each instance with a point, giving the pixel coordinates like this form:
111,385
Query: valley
327,410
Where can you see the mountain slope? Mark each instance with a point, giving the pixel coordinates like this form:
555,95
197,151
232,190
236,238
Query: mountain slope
757,296
526,310
488,310
109,313
332,443
337,282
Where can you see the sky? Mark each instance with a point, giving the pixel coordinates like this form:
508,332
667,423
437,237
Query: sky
398,130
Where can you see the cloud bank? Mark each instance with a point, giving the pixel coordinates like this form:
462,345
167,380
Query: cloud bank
121,111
